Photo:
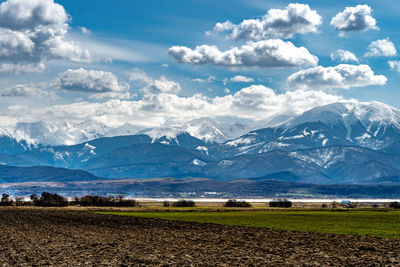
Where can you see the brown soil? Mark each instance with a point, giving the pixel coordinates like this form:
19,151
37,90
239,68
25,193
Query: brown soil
62,237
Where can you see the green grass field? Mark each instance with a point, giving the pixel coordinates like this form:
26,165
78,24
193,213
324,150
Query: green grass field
355,222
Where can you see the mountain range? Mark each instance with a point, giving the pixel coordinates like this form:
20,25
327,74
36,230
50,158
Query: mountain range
341,143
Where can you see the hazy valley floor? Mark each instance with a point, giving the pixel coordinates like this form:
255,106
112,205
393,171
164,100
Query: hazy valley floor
62,237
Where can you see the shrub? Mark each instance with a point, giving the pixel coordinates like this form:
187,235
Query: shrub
324,206
394,205
34,197
280,203
50,200
184,203
233,203
352,205
166,204
100,201
6,200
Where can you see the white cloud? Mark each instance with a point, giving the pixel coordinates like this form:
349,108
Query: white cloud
256,102
381,48
91,81
15,45
34,31
241,79
22,68
58,48
277,23
163,85
340,76
259,99
155,86
221,27
394,65
28,90
109,50
140,76
85,30
111,95
344,56
210,79
356,18
271,53
22,15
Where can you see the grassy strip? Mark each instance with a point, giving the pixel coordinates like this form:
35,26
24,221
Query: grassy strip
372,223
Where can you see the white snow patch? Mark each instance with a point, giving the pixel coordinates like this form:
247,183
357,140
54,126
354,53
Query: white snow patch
198,162
225,163
240,141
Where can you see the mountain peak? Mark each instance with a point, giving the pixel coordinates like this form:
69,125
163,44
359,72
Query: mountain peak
349,112
156,133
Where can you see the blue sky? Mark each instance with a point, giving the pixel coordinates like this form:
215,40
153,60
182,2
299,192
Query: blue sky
132,42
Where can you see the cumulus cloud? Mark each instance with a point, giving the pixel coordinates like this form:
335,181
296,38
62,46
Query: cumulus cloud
344,56
340,76
394,65
155,86
58,48
34,31
261,99
28,90
253,103
210,79
353,19
221,27
381,48
241,79
91,81
271,53
277,23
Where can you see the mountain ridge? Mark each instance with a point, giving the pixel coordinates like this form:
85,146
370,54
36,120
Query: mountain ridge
346,142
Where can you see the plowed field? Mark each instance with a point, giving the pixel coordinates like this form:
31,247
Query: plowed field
63,237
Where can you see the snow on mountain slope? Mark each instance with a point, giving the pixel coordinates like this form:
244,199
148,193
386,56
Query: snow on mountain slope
51,134
212,131
372,125
205,129
126,129
43,133
170,134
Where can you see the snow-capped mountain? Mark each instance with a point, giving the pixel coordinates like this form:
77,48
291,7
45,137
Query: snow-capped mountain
208,130
366,124
346,142
39,134
372,125
42,133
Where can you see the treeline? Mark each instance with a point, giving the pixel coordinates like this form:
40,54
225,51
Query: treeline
99,201
54,200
